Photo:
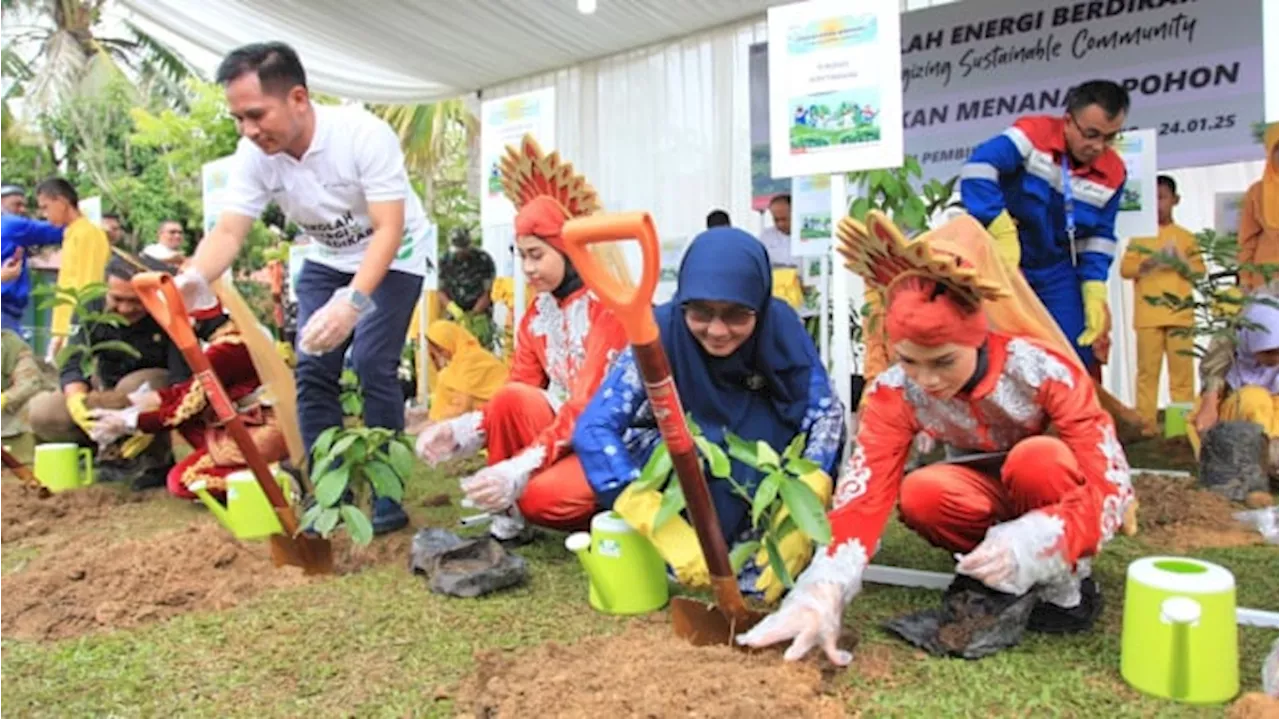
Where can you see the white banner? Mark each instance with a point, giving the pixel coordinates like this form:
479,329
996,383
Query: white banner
835,87
503,122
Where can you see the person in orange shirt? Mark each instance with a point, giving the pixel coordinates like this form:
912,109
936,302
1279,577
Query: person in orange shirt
85,249
1260,214
1146,262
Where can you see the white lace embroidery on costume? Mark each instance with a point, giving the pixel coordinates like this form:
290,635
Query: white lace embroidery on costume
565,331
853,480
1115,505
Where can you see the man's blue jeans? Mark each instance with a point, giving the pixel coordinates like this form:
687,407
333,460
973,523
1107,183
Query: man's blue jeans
375,345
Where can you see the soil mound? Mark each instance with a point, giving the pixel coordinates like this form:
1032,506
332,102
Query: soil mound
29,512
645,671
79,589
1173,512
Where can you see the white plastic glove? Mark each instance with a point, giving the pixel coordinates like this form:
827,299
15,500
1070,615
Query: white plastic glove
196,293
1017,555
458,437
110,425
332,324
496,488
810,616
144,399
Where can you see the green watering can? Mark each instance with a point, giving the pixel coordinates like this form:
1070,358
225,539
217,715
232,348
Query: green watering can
625,572
248,513
1179,635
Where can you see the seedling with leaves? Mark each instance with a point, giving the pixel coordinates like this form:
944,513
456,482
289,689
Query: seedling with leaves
350,396
350,467
89,311
781,488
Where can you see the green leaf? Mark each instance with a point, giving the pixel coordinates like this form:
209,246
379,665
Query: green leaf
327,520
912,166
67,352
694,428
672,504
92,291
765,494
344,443
308,520
785,528
116,346
401,459
803,505
801,466
776,561
329,488
324,442
743,553
656,469
768,457
358,525
384,480
741,450
796,447
716,457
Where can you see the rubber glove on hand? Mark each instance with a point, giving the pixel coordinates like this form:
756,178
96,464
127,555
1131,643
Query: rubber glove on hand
112,424
4,402
458,437
796,548
1004,234
136,445
810,617
1017,555
1094,293
80,413
675,540
144,399
496,488
196,293
332,324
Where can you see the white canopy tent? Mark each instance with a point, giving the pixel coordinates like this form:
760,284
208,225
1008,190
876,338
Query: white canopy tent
652,99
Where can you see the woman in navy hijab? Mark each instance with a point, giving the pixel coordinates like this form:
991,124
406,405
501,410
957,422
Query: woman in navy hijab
743,364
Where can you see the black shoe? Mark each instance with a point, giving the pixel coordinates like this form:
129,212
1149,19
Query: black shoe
388,516
149,479
1051,619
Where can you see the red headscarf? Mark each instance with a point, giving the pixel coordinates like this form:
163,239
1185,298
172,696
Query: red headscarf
543,218
925,312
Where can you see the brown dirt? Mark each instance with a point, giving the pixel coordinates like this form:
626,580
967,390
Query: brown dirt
1259,500
80,589
645,671
1175,513
394,549
1254,705
970,616
28,512
437,500
1159,453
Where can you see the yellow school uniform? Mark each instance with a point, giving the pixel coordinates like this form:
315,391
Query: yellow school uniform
85,251
1153,324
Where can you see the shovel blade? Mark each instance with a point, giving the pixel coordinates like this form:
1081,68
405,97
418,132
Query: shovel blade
313,554
704,624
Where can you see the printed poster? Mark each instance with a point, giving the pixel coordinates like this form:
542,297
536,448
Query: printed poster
811,215
215,177
1226,212
504,121
835,87
1137,216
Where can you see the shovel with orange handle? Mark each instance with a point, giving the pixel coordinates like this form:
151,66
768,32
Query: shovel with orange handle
162,299
694,620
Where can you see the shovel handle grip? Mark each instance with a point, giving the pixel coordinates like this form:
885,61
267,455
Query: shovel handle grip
163,300
633,306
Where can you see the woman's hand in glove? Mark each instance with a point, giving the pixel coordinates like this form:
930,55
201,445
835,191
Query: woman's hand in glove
496,488
810,616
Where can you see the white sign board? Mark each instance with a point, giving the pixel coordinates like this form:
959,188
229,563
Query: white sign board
1137,216
835,87
811,225
215,177
504,121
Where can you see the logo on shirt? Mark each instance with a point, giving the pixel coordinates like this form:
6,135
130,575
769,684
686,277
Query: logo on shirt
342,233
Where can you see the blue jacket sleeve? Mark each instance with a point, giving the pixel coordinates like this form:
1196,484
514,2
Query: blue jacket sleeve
980,177
32,233
1096,252
598,436
823,420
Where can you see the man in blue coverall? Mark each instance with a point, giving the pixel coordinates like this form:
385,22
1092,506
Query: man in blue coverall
1048,190
18,234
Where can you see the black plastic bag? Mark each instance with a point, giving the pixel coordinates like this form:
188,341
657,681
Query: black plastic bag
973,622
1234,459
465,568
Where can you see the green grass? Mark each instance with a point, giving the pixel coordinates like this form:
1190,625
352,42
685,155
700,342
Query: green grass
379,644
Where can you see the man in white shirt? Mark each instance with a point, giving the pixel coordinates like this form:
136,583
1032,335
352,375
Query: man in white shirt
338,173
777,239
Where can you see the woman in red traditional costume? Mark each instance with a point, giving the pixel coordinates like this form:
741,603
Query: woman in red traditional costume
565,346
1025,521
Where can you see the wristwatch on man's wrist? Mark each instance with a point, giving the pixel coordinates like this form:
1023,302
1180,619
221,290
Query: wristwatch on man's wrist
359,300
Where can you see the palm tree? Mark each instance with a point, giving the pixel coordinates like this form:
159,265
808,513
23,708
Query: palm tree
437,139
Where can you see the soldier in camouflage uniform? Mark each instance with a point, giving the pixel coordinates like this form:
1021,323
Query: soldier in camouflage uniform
24,377
466,277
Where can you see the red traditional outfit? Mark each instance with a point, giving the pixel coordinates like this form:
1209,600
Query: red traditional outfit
565,345
185,407
1032,521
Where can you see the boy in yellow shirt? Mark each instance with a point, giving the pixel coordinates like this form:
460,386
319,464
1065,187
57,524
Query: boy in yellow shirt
1153,324
85,249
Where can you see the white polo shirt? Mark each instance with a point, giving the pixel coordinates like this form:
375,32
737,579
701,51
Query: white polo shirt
354,159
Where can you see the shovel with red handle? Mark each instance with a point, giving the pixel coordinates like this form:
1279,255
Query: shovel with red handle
162,299
694,620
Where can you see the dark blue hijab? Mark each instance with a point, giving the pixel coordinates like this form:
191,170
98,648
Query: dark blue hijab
761,391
